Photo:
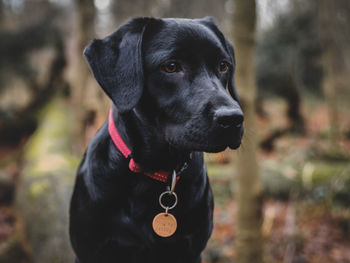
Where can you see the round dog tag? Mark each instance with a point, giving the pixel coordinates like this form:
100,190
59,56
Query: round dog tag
164,224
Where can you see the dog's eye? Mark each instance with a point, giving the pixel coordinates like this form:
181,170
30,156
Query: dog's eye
171,67
223,66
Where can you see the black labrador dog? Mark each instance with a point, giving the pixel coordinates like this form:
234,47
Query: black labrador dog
171,83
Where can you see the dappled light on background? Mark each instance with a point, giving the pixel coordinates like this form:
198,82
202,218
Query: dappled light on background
15,5
102,4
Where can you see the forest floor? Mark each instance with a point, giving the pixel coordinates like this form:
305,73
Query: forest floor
292,231
12,247
306,189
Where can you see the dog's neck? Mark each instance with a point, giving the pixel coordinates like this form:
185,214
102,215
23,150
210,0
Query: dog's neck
149,149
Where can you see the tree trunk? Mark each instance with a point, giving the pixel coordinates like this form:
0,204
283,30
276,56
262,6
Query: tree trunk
329,36
330,92
125,9
248,192
1,13
85,10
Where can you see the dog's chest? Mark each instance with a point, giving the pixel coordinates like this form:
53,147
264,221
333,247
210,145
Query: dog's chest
138,237
131,226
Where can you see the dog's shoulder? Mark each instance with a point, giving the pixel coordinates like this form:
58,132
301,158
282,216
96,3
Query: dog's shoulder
100,165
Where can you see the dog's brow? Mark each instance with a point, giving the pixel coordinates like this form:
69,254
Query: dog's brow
158,57
183,41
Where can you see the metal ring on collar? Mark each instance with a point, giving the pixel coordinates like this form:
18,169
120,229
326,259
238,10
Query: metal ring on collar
169,193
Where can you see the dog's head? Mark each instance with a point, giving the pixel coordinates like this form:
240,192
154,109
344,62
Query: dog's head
175,73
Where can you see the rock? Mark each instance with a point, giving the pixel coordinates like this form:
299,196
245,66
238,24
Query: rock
45,186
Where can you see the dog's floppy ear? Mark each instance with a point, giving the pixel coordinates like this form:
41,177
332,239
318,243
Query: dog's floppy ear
116,63
211,24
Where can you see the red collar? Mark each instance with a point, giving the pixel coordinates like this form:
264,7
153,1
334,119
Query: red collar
124,149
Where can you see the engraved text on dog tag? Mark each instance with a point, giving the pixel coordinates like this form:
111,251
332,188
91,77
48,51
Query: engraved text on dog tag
164,224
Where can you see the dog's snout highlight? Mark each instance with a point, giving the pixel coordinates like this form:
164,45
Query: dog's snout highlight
228,117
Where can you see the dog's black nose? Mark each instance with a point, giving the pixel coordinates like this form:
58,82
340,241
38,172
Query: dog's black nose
228,117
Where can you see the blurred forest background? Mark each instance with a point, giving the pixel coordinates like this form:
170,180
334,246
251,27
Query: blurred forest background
284,196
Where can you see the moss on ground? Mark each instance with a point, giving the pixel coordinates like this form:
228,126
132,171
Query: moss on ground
327,181
46,184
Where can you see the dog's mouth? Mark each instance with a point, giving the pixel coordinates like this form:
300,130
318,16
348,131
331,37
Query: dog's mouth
196,135
196,147
235,145
201,144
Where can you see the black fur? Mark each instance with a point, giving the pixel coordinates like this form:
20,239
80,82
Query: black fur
162,117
